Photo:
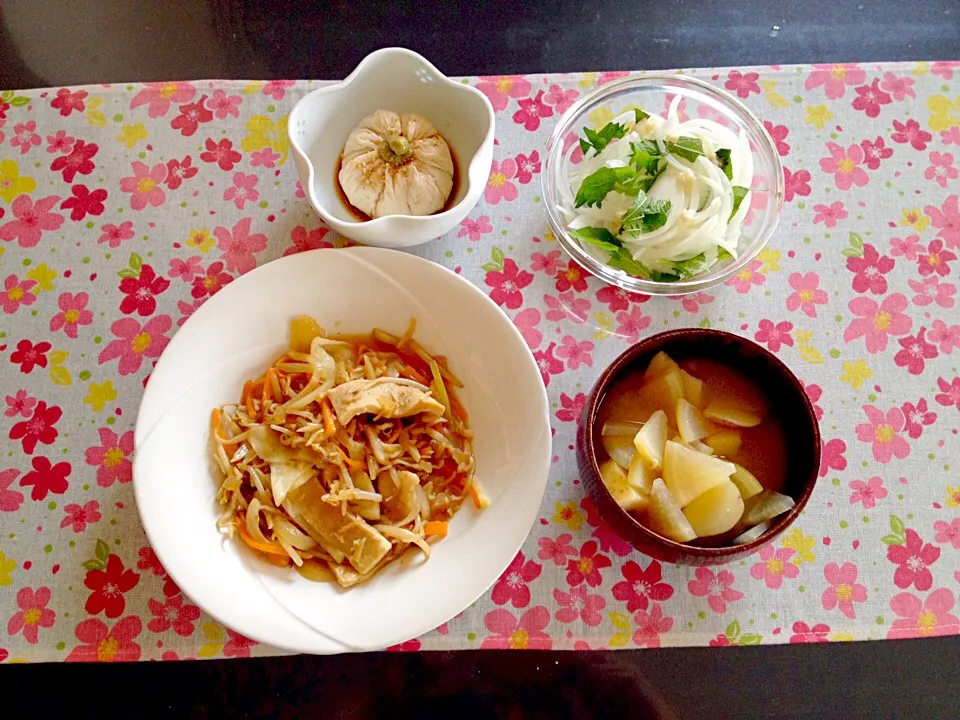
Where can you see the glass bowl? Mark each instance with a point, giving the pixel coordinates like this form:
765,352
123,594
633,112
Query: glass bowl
654,93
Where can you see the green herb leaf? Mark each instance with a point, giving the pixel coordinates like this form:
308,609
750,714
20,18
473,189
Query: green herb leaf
690,267
598,237
723,254
595,187
599,140
585,145
689,148
645,215
725,163
623,260
640,115
658,276
739,193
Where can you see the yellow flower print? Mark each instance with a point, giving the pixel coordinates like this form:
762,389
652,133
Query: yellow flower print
100,395
600,117
11,184
803,544
130,135
945,113
915,219
588,80
567,514
44,277
953,496
201,239
818,116
922,68
262,132
548,236
856,373
770,259
6,567
841,637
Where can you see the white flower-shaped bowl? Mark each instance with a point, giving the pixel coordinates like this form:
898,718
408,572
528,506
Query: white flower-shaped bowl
400,80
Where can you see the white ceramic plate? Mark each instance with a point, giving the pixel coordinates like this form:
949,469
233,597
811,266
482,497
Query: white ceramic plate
233,337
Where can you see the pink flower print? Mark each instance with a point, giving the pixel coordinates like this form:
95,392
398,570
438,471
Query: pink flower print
639,587
944,68
60,143
941,169
951,136
692,303
899,87
276,89
806,293
743,85
528,166
917,417
844,589
650,626
883,432
935,260
243,190
499,185
103,644
134,343
631,324
508,284
11,500
570,407
145,185
500,89
829,215
749,276
774,566
835,78
909,248
867,492
915,352
547,363
910,132
549,264
299,194
78,516
795,184
303,241
575,353
32,220
778,134
803,633
20,404
187,269
239,245
112,457
116,234
573,140
526,322
878,323
475,229
607,77
948,532
32,615
573,277
874,152
512,634
159,96
927,618
25,137
947,221
832,457
560,99
948,338
224,106
172,613
73,313
512,587
558,550
531,111
264,158
913,560
774,336
578,605
68,100
844,165
814,392
870,98
221,153
566,305
587,567
931,290
949,392
717,588
15,293
618,299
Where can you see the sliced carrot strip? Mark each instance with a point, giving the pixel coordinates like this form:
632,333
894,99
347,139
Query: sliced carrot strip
437,528
479,499
268,549
327,411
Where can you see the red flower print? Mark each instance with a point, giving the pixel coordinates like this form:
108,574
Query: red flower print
32,220
25,137
191,116
575,353
172,613
187,269
527,633
68,100
640,586
829,215
500,89
108,587
78,516
221,153
134,343
84,202
814,392
832,457
948,532
116,234
874,152
877,323
743,85
237,645
59,143
473,230
239,246
107,645
883,431
178,171
650,626
803,633
749,276
39,428
571,408
145,185
578,605
141,292
531,111
631,324
112,457
512,586
11,500
304,240
913,560
32,615
603,533
928,618
587,567
80,160
408,646
243,190
949,392
73,313
507,284
779,134
211,281
870,98
844,165
499,186
775,336
795,184
941,169
915,352
528,166
844,589
548,364
908,248
917,417
835,78
867,492
720,640
935,260
806,294
20,404
149,561
717,588
15,293
947,221
558,550
46,478
618,299
27,355
910,132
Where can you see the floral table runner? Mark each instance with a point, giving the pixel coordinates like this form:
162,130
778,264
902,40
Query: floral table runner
123,208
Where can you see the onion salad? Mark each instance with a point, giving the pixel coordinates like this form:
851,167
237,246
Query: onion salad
660,199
